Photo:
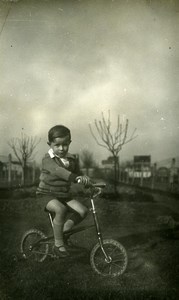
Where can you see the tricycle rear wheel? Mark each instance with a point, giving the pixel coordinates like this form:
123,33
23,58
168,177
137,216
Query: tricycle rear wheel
33,246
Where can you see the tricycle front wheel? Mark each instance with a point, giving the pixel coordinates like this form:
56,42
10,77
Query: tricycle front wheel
117,262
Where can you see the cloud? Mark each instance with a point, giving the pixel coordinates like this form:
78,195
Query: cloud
68,62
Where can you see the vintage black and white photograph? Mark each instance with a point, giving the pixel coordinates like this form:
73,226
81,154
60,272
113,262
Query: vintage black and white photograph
89,152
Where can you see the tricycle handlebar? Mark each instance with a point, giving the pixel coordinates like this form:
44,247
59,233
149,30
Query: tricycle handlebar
96,188
95,185
99,185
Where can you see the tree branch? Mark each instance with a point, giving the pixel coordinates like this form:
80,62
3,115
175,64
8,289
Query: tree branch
112,142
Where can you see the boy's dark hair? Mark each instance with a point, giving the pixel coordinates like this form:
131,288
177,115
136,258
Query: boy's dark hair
58,131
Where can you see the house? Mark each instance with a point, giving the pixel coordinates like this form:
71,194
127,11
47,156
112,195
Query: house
168,168
108,163
5,161
11,171
141,167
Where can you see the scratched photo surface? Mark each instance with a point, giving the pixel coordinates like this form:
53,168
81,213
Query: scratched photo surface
108,70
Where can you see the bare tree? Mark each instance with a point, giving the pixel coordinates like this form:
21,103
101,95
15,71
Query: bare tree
23,149
112,141
87,160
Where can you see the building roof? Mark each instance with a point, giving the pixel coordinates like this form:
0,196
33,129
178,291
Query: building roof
167,162
4,159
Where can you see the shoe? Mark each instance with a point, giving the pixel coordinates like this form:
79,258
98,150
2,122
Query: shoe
67,240
60,253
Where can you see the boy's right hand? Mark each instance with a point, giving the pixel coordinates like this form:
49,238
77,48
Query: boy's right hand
85,180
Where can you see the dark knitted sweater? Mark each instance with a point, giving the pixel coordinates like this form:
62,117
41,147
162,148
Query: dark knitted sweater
55,178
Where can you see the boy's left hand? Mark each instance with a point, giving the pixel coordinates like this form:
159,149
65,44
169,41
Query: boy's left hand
85,180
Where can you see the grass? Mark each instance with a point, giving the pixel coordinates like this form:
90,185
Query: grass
153,268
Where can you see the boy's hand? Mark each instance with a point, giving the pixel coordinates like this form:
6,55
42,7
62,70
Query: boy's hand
85,180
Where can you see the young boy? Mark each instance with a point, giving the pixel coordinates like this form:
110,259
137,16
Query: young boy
59,170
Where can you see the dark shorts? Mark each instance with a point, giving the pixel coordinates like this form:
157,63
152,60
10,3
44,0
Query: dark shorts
43,199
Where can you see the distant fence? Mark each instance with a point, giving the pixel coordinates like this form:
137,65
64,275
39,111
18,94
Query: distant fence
162,178
153,176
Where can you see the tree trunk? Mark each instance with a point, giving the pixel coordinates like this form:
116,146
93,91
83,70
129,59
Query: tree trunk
115,173
33,172
24,169
23,177
9,169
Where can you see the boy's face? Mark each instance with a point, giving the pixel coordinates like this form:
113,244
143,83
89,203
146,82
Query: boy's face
60,145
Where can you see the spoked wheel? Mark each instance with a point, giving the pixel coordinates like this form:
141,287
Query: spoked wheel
116,263
33,247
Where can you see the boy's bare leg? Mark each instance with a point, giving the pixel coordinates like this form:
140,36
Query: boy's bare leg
68,225
81,212
58,222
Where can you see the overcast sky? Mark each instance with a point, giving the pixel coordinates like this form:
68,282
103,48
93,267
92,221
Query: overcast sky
65,62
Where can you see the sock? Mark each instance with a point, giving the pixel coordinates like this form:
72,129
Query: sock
58,233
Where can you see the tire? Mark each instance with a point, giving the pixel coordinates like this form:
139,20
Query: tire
37,253
117,255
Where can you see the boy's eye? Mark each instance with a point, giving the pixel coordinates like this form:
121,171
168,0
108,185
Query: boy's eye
63,145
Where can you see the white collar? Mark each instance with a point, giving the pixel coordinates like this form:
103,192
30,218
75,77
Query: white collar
64,160
51,153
